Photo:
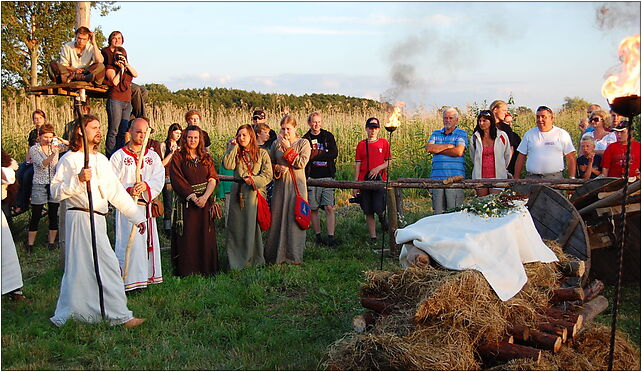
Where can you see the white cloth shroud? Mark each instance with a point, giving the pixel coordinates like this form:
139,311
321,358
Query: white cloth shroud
497,246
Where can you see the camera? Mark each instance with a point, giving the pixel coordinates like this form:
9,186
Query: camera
121,57
55,142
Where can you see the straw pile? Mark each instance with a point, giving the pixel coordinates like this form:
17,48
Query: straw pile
589,352
441,317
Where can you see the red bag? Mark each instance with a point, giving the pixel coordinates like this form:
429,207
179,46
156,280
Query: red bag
301,207
263,215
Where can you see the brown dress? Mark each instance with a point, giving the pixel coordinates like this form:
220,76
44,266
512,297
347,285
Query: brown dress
194,243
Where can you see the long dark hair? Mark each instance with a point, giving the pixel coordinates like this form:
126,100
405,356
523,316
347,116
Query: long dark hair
200,149
170,130
252,149
75,142
493,129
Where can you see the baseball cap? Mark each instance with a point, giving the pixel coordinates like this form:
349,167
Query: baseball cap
373,123
624,124
258,114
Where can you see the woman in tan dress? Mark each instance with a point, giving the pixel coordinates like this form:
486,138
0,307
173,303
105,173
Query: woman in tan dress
244,242
286,240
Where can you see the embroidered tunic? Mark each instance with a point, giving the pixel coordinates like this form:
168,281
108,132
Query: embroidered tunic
145,260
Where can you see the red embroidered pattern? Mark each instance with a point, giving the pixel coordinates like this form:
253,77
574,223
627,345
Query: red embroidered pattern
149,161
128,161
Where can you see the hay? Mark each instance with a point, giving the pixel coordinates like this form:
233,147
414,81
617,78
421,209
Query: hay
594,344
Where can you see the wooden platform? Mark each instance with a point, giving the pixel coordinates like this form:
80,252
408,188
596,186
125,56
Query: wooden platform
71,89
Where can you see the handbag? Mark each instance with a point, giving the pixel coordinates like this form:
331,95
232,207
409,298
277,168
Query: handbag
301,207
158,209
263,214
215,209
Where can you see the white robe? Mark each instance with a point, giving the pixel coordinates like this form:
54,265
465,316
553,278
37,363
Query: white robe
11,274
144,267
79,297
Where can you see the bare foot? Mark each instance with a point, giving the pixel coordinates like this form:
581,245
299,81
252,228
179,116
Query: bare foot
134,322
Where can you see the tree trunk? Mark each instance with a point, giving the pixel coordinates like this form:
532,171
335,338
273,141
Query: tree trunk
545,341
594,307
566,316
554,329
83,13
521,333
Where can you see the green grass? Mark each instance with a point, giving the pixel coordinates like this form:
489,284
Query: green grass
267,318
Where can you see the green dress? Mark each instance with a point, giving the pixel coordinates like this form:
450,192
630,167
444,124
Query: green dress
286,240
244,243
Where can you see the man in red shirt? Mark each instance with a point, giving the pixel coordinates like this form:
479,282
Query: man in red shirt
614,158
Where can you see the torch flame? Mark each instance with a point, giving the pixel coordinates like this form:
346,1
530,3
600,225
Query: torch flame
627,81
393,120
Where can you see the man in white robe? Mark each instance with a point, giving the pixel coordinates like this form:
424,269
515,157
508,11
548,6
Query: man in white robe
79,298
144,260
11,274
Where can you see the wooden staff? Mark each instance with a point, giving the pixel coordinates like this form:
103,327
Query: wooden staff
132,233
90,200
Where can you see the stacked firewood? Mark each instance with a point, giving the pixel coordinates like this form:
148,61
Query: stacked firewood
429,318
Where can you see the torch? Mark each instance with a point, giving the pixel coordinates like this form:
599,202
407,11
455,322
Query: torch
622,91
391,126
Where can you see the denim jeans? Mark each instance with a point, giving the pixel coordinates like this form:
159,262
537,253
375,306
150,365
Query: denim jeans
118,118
445,199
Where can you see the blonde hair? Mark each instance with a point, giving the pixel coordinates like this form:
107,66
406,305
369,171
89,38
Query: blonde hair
606,118
288,119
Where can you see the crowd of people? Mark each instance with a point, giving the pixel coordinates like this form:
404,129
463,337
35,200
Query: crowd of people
270,171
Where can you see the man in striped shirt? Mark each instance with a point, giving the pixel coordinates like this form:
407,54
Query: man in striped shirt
447,146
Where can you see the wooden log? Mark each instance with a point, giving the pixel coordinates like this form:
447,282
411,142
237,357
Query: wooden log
565,315
571,328
575,269
567,294
605,194
393,222
615,210
543,340
365,321
553,329
377,305
635,186
594,307
520,333
503,351
452,179
592,290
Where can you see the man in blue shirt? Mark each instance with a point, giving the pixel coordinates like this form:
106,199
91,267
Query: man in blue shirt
447,146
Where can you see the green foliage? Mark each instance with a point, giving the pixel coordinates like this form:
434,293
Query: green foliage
33,33
575,104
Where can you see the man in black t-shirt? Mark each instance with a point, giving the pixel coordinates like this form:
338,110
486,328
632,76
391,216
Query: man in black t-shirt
321,166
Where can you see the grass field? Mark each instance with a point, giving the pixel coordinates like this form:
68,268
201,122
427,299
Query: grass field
268,318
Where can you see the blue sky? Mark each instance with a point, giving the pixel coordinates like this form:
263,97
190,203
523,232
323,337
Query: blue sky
429,54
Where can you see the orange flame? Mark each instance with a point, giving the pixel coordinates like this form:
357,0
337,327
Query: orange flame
393,120
627,81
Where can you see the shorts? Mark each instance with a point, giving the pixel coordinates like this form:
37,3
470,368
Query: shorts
319,196
373,201
39,195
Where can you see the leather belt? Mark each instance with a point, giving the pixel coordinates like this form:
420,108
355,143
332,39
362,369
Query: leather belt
86,210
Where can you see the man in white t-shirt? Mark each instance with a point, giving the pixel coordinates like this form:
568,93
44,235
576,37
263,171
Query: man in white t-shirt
544,148
80,60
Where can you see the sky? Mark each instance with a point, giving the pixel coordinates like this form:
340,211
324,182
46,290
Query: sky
428,54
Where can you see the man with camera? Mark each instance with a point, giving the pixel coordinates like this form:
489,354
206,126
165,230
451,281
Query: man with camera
321,166
80,60
372,159
447,146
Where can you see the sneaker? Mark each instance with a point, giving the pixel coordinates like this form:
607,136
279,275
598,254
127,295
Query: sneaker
332,242
319,240
134,322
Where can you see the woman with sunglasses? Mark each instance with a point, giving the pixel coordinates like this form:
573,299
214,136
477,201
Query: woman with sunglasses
500,112
489,150
601,122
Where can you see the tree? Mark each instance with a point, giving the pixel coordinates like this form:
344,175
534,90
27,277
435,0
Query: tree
32,34
575,104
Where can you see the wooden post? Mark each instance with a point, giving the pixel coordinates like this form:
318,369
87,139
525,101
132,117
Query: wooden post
83,13
392,221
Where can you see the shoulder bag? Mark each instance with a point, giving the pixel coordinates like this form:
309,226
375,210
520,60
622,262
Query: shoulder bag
301,206
263,215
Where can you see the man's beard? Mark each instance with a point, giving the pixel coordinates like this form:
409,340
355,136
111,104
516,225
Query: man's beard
96,141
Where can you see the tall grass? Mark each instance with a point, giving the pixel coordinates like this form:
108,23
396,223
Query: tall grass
409,157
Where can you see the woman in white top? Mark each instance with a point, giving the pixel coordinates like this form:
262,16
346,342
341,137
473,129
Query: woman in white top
167,149
601,122
44,156
489,150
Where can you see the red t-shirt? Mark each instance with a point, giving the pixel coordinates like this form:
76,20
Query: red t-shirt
379,152
614,159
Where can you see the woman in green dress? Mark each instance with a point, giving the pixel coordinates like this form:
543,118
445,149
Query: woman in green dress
251,164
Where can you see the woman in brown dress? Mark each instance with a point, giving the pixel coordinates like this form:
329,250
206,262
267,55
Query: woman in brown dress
286,240
193,176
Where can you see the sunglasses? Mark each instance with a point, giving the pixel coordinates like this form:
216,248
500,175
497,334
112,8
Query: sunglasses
485,113
595,119
256,117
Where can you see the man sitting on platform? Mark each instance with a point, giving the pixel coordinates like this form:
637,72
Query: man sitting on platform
80,60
